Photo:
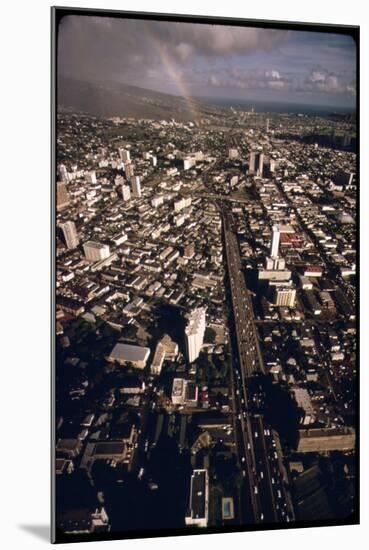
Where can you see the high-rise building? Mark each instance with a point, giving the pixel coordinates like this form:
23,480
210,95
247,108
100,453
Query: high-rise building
62,195
158,200
260,168
119,181
70,234
63,172
125,155
284,296
256,163
267,125
199,499
194,332
275,266
96,251
233,181
184,202
188,162
233,154
252,161
91,176
126,192
275,242
129,170
136,187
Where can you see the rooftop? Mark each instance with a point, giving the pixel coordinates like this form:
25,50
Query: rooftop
198,493
195,319
128,352
95,244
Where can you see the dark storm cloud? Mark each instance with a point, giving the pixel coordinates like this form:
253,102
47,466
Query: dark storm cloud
199,59
210,40
101,48
91,47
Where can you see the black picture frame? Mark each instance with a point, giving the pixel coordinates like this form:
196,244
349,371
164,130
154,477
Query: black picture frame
57,13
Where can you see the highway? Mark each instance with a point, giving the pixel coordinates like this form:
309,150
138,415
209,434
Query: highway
247,339
257,451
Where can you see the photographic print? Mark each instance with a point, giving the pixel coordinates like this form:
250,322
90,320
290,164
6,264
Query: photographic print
205,206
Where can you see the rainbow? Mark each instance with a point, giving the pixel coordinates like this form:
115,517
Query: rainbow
175,75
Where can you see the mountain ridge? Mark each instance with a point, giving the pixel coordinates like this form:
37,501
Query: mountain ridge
107,99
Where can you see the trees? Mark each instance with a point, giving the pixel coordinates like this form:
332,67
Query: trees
210,335
212,369
129,331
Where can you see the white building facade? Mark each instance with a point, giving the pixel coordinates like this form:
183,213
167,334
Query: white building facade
96,251
194,332
70,234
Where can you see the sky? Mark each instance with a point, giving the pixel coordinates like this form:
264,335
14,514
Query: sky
212,61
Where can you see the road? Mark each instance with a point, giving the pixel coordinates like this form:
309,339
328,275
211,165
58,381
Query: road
258,457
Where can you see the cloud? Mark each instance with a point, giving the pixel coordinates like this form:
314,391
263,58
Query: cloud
322,80
106,47
211,40
273,75
351,89
159,54
316,81
184,51
251,79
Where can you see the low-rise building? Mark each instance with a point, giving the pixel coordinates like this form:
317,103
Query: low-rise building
127,353
83,521
321,440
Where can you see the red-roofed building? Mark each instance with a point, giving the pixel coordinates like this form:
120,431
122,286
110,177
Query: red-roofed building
313,271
